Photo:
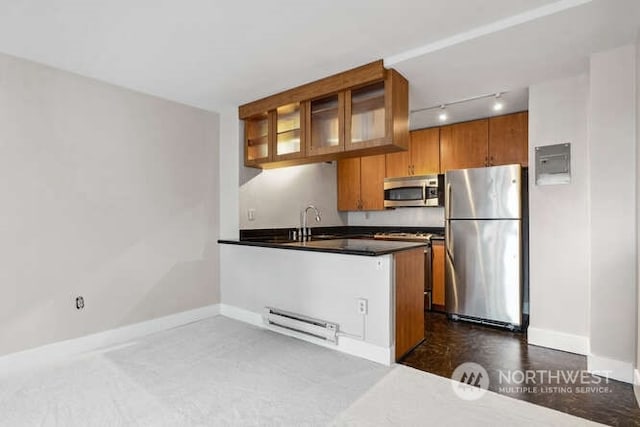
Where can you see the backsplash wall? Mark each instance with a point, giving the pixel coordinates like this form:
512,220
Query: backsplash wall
419,217
278,196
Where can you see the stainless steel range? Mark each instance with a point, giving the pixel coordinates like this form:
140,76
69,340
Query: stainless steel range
408,237
428,260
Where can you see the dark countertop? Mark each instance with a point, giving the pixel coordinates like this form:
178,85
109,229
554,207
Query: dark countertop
353,246
336,231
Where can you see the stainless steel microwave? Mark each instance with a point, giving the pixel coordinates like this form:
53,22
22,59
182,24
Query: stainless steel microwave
414,191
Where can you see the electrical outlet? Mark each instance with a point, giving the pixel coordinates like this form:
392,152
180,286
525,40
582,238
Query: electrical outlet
362,306
251,214
79,303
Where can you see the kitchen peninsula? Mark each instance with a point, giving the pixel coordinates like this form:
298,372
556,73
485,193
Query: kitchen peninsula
371,289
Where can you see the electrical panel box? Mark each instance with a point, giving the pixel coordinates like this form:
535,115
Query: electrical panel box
553,164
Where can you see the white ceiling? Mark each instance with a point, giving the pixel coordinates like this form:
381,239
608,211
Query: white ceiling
217,53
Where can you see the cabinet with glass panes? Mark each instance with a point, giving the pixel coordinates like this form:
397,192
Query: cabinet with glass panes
289,132
360,112
366,115
257,139
326,125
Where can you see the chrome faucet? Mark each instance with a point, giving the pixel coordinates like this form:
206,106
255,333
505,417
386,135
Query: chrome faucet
306,231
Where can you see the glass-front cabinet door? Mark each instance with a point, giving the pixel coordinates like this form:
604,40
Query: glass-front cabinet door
289,131
326,125
366,117
257,139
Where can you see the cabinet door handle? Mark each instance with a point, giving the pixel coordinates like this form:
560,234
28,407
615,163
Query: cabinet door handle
486,161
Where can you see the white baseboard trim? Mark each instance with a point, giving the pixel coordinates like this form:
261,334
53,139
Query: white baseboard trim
612,368
242,315
636,385
64,350
558,340
354,347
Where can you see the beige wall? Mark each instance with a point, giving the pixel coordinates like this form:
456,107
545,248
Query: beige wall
104,193
279,195
559,219
612,156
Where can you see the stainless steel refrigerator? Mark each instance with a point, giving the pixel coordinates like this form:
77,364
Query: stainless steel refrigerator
486,238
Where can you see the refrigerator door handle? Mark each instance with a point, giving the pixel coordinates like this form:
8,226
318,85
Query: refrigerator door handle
448,201
424,193
447,243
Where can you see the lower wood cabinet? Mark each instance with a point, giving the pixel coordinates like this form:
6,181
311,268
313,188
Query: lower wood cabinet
437,293
360,183
409,285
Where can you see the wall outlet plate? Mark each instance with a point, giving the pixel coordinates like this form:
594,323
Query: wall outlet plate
363,306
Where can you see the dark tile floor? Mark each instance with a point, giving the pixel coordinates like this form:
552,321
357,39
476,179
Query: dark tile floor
557,379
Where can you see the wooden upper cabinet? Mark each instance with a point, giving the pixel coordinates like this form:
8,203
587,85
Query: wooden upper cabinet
377,114
422,158
509,139
398,164
364,111
258,137
326,125
289,124
464,145
360,183
425,151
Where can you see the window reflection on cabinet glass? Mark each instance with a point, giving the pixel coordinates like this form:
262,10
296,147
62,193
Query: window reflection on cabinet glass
324,122
288,128
258,137
367,113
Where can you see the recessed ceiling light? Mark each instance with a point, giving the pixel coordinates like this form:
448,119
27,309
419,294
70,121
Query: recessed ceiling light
498,104
443,114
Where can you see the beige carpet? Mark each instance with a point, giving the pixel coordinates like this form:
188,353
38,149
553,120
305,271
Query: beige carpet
220,372
408,397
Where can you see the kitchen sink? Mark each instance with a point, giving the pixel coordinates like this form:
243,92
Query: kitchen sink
324,236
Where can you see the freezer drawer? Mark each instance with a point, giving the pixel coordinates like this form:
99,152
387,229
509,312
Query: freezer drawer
483,273
484,193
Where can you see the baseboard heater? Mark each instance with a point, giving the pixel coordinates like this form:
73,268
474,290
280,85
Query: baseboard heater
302,324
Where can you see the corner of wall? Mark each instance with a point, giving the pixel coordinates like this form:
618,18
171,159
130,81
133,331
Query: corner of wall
229,165
610,368
558,340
